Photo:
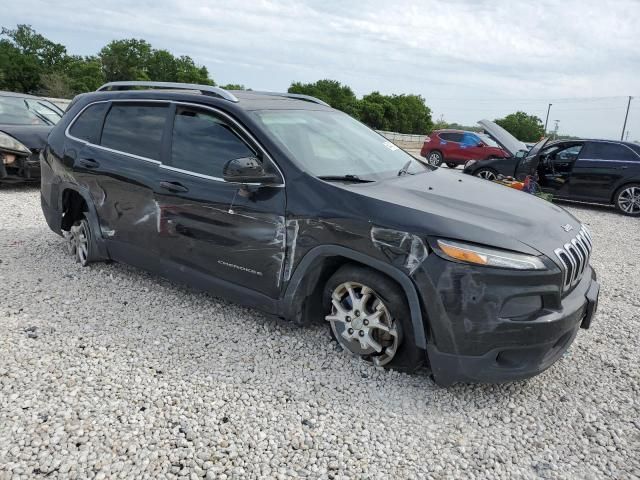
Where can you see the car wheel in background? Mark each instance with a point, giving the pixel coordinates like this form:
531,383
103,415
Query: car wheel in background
452,165
434,158
627,199
486,173
370,318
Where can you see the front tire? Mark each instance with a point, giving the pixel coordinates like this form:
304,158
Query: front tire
487,173
369,317
627,200
435,158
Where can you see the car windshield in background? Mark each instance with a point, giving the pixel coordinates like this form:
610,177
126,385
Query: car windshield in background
488,140
332,144
28,111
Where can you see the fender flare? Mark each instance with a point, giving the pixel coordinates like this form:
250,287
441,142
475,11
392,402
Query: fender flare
400,277
100,243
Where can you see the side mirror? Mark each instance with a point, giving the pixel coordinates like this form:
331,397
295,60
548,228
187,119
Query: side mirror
480,144
247,170
521,154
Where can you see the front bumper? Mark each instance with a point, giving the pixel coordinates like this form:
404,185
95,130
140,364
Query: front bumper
23,169
477,334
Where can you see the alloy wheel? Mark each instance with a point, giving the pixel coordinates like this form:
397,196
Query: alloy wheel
362,323
487,175
434,159
80,237
629,200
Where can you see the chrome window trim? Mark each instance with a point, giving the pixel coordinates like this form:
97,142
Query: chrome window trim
169,167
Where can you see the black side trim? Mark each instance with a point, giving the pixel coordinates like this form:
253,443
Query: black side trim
303,269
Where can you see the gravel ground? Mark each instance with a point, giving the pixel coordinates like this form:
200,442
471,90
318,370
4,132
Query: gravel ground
109,372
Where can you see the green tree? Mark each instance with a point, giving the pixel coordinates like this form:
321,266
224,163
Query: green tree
331,91
526,128
234,86
188,72
125,60
18,72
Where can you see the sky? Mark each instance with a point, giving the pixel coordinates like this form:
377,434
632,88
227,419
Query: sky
469,59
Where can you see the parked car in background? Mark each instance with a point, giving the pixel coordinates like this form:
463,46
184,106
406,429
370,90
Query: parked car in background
25,122
281,203
456,147
595,171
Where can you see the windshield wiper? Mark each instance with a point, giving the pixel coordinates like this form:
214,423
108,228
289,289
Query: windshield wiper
404,170
344,178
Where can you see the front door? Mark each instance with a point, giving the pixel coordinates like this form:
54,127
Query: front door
224,230
555,167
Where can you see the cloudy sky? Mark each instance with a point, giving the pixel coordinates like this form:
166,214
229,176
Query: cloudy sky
470,59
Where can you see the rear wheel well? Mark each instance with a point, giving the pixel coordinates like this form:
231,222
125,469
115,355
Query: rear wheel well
73,208
619,188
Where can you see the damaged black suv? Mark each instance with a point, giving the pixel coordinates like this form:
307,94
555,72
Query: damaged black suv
279,202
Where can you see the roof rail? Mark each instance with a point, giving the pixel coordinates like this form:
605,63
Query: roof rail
297,96
204,89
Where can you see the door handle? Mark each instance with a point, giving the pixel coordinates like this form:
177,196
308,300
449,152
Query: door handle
89,163
173,186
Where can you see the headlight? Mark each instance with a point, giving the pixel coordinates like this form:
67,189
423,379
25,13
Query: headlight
489,257
7,142
469,163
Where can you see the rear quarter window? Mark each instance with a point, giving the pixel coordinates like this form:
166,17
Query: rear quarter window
607,151
88,124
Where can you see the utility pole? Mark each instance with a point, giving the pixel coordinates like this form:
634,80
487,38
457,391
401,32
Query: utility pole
555,130
626,116
547,119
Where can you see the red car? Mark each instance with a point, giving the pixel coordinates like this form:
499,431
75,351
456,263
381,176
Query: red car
457,147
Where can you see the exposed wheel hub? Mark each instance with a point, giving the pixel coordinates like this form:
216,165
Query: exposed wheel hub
362,323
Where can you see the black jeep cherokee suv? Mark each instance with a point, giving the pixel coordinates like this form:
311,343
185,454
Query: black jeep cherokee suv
281,203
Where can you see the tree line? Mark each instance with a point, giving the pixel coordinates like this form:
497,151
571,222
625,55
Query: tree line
31,63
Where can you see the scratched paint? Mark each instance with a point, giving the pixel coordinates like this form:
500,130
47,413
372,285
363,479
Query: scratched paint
407,246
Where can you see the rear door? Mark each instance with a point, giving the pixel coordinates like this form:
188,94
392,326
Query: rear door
118,164
210,227
450,143
600,169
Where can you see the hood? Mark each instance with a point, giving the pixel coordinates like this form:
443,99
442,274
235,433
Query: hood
507,141
33,137
462,207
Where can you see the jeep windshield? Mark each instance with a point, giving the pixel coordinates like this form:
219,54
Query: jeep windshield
334,146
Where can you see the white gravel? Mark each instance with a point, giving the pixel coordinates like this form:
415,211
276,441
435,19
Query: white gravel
109,372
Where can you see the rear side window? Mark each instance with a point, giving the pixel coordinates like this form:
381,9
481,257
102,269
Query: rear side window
607,151
135,129
87,126
451,137
203,142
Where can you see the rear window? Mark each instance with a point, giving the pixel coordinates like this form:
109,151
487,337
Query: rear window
135,129
87,126
607,151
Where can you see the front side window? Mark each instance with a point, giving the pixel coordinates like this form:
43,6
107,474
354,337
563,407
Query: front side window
470,140
135,128
328,143
204,143
87,126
